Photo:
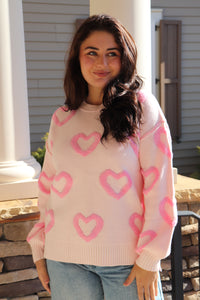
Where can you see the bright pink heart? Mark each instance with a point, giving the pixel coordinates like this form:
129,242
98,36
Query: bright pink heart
65,188
65,120
108,188
51,221
132,222
93,231
163,211
44,180
145,238
163,146
38,227
92,142
134,146
151,176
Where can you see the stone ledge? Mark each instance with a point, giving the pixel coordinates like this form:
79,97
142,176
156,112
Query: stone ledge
187,189
33,297
15,209
21,218
20,189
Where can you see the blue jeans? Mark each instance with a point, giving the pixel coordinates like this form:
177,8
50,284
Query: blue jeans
77,282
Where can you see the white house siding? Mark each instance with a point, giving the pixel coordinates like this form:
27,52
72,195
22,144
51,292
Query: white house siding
49,27
186,157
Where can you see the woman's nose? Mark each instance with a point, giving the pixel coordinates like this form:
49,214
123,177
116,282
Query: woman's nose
102,60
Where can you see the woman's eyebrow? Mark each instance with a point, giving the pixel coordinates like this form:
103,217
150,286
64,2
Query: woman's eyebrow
110,49
90,47
95,48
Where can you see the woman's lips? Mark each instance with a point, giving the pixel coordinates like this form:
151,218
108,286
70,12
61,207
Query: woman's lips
101,73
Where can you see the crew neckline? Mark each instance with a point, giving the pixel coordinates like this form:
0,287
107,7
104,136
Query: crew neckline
91,107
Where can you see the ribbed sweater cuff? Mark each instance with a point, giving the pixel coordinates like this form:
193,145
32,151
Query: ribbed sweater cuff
37,250
148,262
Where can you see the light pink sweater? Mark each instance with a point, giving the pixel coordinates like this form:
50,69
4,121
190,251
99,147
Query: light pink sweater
106,203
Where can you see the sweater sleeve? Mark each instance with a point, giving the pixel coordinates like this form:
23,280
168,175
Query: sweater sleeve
36,237
159,203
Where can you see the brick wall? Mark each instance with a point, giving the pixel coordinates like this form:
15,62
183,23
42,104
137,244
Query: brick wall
190,263
18,276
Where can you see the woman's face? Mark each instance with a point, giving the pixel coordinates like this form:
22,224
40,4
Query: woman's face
100,59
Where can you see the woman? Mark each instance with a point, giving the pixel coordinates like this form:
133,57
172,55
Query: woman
106,193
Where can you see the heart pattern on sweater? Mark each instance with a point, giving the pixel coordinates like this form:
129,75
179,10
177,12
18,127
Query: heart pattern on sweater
62,184
166,202
145,238
60,122
151,176
136,222
85,144
162,144
50,220
38,227
43,182
88,227
111,182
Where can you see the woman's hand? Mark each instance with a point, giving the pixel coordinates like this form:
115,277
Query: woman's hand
43,274
147,282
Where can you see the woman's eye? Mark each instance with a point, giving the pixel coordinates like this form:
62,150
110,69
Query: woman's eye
112,54
92,53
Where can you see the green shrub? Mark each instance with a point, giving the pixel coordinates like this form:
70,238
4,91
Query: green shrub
40,152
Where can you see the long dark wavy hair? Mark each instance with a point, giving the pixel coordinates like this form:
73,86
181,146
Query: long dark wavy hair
122,114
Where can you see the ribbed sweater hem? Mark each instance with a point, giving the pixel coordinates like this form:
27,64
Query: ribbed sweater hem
98,255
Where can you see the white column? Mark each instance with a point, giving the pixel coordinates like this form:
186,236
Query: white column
135,15
156,16
16,163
